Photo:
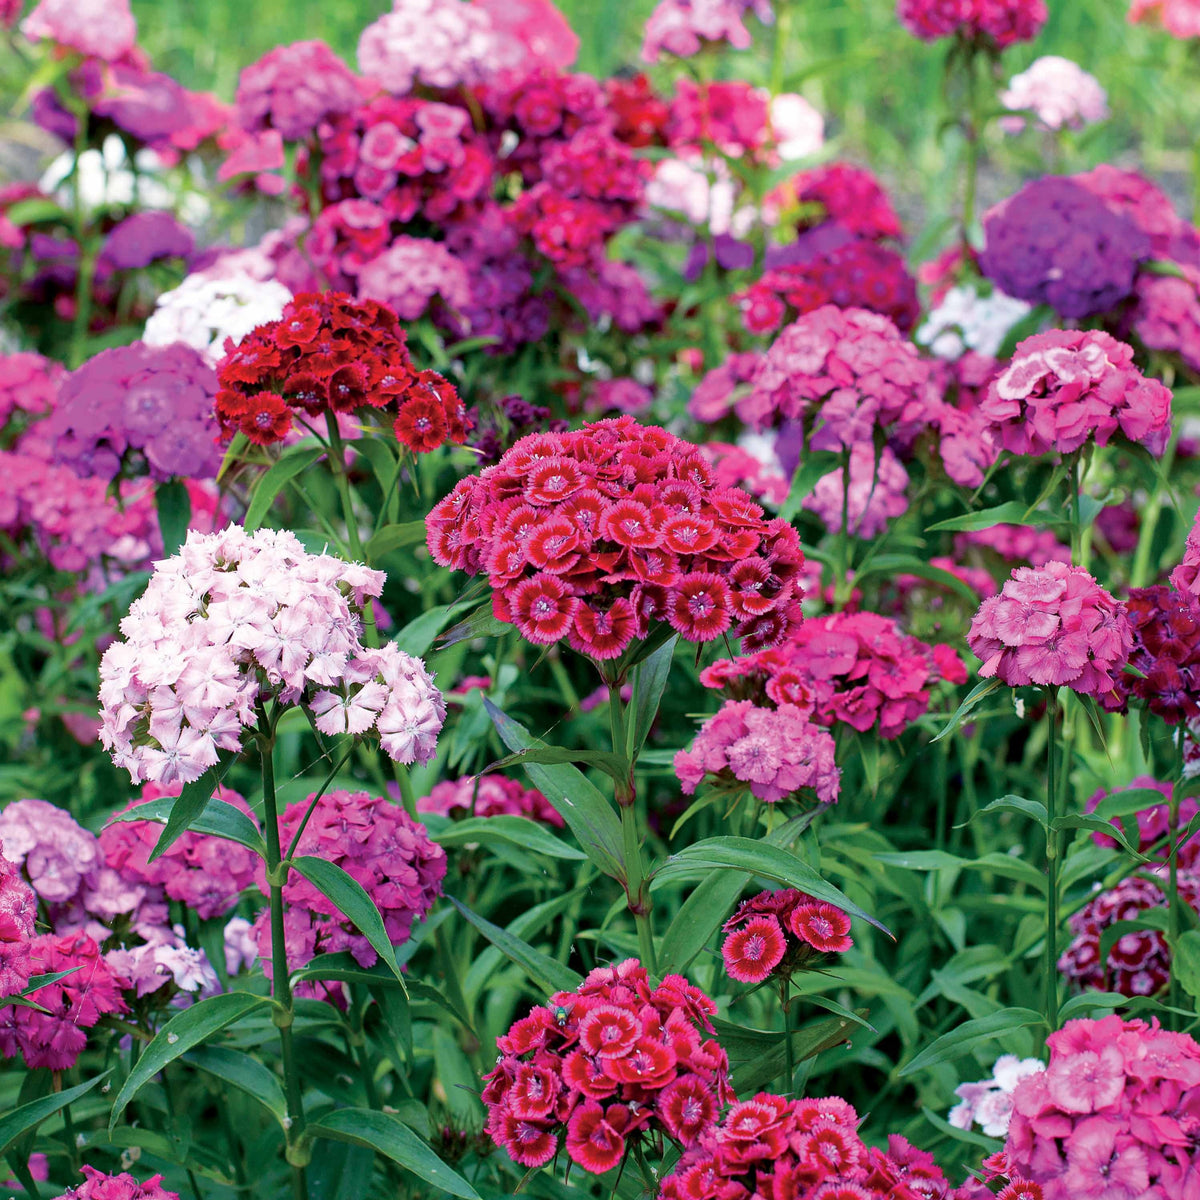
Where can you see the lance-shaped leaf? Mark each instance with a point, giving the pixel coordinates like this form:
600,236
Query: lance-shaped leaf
26,1118
515,831
218,818
189,804
275,478
964,1038
243,1072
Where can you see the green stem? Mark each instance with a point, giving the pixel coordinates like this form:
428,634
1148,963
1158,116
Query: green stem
1141,574
789,1050
1052,847
783,31
20,1168
281,987
362,1052
970,129
1174,911
77,351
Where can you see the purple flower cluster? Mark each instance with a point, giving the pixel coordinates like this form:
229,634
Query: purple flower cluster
18,908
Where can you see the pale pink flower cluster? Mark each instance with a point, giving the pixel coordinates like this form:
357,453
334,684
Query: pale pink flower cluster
797,128
488,796
1113,1116
1065,387
682,27
18,910
58,855
989,1102
1058,92
382,847
236,619
877,493
775,752
152,965
440,43
411,273
1180,18
1051,627
104,28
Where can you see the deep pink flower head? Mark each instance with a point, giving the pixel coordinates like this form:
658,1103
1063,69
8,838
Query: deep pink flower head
684,27
206,873
382,847
776,752
55,1038
778,933
103,28
488,796
1016,543
1066,387
998,22
18,911
1110,1116
1147,206
839,194
291,89
853,667
98,1186
609,1064
1186,577
234,619
1165,654
1154,821
1180,18
28,386
847,371
714,396
1052,626
593,534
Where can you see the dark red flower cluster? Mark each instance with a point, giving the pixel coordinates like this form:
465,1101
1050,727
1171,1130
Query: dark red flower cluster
853,667
731,114
777,933
413,157
330,353
856,273
640,113
839,193
605,1064
1139,961
593,534
799,1150
1165,655
999,23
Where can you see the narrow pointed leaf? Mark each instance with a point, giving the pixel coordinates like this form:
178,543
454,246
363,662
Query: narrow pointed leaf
649,683
548,973
217,818
241,1071
27,1117
985,687
189,804
516,831
275,478
964,1038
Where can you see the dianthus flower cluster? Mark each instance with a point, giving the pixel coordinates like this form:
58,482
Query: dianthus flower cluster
329,353
439,43
877,493
58,856
52,1035
141,239
966,320
721,388
488,796
621,394
18,911
808,1149
1180,18
1058,92
775,752
989,1103
999,23
684,27
206,312
410,276
852,667
1167,314
29,385
1139,961
639,113
593,534
845,373
1147,206
411,156
1154,822
207,874
98,1186
1016,543
779,933
751,465
1165,654
1082,1127
1051,626
138,409
1185,578
381,847
508,420
234,619
612,1061
853,272
1055,242
293,88
966,442
104,29
1066,387
838,194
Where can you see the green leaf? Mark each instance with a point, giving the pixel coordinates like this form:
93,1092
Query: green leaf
1099,825
417,636
241,1071
964,1038
757,1056
344,966
758,858
27,1117
700,914
649,683
34,210
991,1145
1011,512
353,902
548,973
275,478
189,804
578,801
908,564
480,624
1006,865
174,513
394,537
218,818
613,765
1018,804
389,1136
985,687
815,466
516,831
182,1033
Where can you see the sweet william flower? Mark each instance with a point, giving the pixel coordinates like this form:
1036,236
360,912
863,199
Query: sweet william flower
18,911
777,933
99,1186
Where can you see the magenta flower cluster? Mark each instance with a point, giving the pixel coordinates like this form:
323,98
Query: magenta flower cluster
1052,626
776,752
236,619
488,796
99,1186
18,909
